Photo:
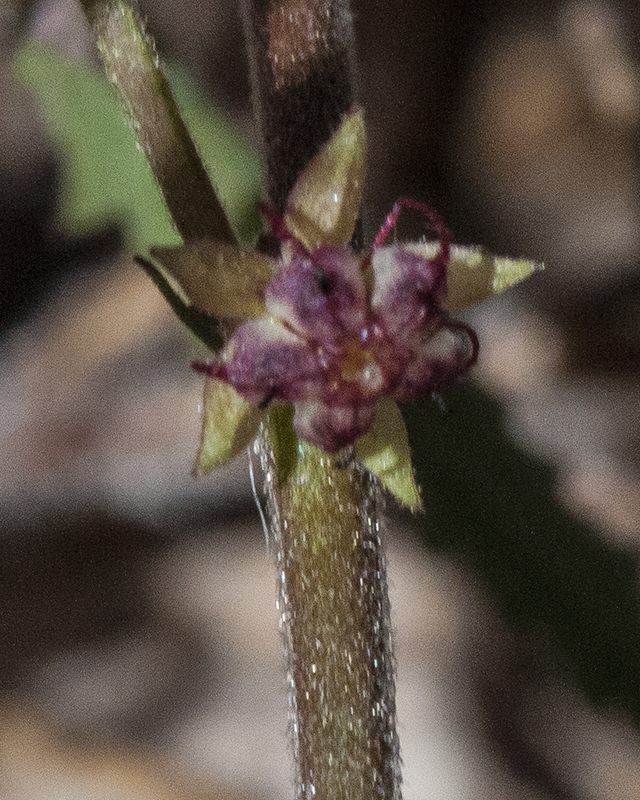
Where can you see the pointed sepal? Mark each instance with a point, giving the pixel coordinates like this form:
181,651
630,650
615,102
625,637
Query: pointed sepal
206,328
229,424
384,451
221,280
324,204
474,275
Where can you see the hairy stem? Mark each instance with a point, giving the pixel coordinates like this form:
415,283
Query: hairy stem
333,592
301,58
132,66
334,615
333,598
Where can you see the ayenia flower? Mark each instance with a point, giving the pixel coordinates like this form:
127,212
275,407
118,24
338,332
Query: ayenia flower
338,334
340,331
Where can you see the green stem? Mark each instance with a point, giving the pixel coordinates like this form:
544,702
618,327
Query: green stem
132,66
334,615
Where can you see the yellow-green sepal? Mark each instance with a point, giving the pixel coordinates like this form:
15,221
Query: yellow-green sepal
474,275
384,451
218,279
324,204
229,424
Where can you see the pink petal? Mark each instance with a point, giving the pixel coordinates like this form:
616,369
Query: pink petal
264,361
408,292
439,362
320,295
332,427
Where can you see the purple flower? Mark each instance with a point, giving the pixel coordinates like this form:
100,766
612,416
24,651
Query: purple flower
340,331
339,335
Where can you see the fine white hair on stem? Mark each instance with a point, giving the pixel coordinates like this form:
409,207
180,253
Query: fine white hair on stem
256,497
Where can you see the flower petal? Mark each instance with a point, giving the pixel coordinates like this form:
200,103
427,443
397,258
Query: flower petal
332,427
384,451
473,274
219,279
229,424
321,295
264,361
408,292
438,362
323,206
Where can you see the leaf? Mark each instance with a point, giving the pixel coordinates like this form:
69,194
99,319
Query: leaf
384,451
323,205
219,279
474,275
105,177
229,424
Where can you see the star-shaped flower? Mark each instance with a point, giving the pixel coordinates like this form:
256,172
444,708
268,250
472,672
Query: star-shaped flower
339,334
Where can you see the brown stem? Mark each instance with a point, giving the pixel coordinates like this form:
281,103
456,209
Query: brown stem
300,52
333,598
132,66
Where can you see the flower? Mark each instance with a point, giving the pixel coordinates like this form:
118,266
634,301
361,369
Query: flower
341,330
338,334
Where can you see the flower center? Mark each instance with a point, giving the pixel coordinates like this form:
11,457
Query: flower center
359,366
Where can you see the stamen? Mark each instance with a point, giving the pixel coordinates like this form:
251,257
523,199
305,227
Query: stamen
456,325
441,259
276,222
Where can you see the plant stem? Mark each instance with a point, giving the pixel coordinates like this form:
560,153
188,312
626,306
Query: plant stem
333,599
301,59
333,591
132,66
334,615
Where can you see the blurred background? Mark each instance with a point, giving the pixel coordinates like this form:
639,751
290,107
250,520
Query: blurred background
140,654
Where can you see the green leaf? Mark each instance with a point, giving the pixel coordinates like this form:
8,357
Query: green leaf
105,177
494,506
